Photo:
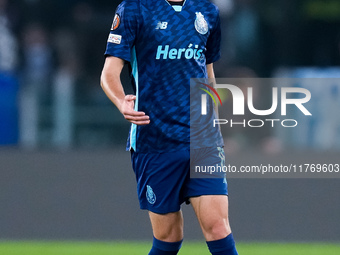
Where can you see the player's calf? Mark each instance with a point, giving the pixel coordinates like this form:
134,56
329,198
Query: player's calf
212,213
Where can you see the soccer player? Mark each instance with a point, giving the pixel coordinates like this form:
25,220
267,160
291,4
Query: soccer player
166,43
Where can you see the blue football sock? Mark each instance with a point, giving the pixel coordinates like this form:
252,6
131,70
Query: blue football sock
164,248
225,246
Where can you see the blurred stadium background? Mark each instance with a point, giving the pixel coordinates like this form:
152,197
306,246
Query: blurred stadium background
64,174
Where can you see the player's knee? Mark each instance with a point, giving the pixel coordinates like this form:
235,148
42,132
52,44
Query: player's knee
217,229
172,234
167,227
170,231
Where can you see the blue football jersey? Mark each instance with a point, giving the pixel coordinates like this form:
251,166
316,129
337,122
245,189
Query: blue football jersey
166,47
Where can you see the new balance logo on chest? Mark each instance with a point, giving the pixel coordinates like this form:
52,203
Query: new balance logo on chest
162,25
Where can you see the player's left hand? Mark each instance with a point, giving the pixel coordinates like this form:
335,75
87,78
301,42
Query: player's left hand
135,117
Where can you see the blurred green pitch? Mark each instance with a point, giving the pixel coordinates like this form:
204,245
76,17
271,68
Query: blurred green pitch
140,248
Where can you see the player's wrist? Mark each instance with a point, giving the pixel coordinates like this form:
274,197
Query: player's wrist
124,103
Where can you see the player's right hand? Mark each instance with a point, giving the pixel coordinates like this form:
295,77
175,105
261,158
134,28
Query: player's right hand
127,109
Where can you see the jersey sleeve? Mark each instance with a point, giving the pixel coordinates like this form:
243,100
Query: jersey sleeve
123,31
214,42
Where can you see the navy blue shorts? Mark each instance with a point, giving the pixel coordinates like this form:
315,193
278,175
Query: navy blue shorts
163,179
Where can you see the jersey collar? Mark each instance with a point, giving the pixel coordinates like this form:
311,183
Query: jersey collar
177,8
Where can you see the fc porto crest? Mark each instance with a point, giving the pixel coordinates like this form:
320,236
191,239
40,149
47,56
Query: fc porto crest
201,24
150,195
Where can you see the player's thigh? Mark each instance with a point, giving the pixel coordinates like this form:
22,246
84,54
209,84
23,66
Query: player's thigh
212,214
160,178
167,227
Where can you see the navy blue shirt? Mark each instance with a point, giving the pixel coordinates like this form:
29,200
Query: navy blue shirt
166,47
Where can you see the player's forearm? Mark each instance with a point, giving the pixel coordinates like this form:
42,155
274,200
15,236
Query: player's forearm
111,83
112,86
211,76
210,70
113,90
